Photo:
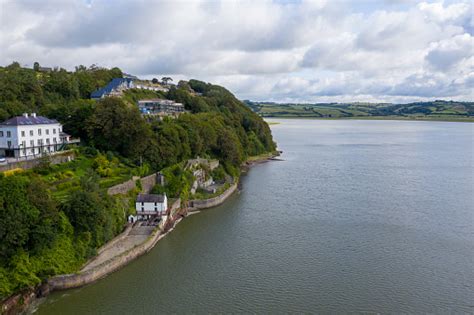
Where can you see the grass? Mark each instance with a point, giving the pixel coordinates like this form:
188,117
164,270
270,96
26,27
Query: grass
261,157
65,178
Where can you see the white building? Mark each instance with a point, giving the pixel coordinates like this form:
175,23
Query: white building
31,135
149,206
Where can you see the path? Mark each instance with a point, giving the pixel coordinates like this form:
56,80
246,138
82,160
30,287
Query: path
137,235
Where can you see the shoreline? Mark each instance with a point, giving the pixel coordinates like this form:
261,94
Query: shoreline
382,118
23,301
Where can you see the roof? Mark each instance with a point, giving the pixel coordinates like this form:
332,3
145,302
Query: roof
30,120
150,198
112,85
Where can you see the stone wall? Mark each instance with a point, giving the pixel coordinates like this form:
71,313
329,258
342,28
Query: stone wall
212,202
58,158
147,184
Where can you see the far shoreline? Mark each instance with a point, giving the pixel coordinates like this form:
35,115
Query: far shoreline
382,118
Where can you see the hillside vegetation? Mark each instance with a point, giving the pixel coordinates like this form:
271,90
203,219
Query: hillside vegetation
437,110
53,218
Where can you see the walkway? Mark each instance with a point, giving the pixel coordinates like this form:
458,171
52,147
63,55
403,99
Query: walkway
137,235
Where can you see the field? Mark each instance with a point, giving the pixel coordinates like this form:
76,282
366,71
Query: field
437,110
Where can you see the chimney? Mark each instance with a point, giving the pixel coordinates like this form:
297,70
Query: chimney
25,115
33,114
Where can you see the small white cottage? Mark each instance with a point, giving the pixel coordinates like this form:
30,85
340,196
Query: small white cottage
149,206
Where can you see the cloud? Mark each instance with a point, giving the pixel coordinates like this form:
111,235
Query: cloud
279,50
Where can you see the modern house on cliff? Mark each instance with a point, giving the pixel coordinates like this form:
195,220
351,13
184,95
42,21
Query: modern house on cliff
113,88
158,106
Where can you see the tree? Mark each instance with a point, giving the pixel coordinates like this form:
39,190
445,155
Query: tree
116,127
36,66
154,81
165,80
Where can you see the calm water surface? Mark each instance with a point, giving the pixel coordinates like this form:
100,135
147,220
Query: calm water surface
362,216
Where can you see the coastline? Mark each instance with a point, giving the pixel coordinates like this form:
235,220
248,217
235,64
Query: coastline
395,118
23,301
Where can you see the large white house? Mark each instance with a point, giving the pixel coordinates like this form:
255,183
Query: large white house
149,206
31,135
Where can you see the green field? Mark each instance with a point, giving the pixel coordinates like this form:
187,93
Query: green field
437,110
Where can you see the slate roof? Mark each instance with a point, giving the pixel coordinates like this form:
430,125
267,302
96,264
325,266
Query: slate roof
30,120
112,85
150,198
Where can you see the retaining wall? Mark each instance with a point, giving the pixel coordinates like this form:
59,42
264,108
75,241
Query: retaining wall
147,184
55,159
212,202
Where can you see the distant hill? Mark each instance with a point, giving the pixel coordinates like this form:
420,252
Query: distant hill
436,110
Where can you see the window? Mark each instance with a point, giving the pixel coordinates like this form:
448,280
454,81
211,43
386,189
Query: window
39,141
32,143
47,141
23,133
9,134
31,132
143,209
47,131
39,132
54,139
143,204
23,144
9,144
1,133
54,131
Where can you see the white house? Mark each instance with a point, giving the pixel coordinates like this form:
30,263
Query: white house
31,135
149,206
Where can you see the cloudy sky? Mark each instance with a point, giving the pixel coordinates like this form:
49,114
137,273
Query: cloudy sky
281,50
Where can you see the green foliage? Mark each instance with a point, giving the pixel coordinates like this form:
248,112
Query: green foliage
41,238
54,217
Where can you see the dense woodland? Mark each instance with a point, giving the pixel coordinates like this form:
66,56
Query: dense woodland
50,226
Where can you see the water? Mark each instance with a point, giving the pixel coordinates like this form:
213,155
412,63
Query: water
362,216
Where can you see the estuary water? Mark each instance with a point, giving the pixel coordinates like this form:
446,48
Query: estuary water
360,217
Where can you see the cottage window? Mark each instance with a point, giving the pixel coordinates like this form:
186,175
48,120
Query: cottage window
9,134
31,132
23,133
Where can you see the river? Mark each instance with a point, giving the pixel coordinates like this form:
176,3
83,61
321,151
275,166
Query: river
361,216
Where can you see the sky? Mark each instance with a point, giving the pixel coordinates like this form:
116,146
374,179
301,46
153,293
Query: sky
281,50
